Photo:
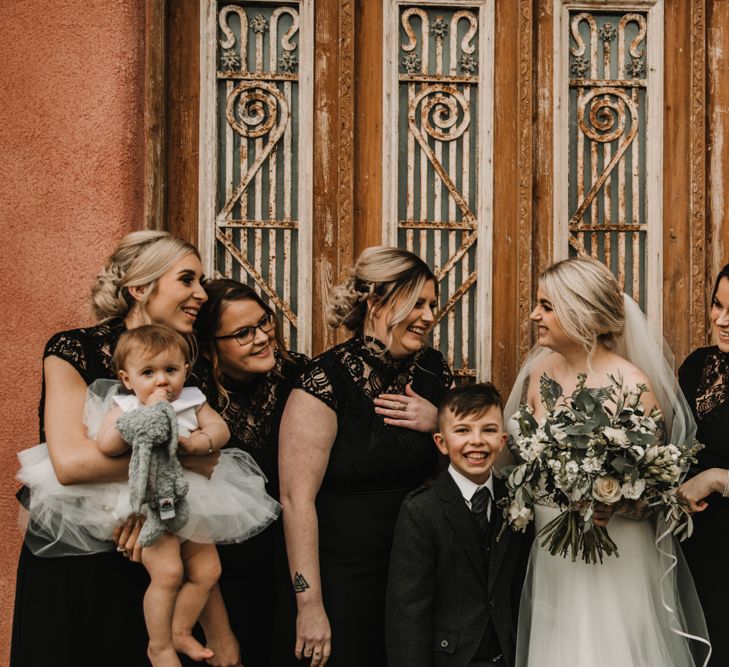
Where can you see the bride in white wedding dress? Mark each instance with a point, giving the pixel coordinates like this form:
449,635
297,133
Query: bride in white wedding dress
638,609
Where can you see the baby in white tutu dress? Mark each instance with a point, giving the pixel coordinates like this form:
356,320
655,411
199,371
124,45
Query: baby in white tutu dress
152,363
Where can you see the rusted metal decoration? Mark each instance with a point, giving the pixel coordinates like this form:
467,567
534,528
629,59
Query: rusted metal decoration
607,178
258,144
438,202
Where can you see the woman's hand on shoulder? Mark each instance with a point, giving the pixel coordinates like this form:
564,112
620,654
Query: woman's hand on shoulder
408,410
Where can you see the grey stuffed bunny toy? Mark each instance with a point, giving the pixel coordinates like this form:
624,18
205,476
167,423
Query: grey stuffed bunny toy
155,474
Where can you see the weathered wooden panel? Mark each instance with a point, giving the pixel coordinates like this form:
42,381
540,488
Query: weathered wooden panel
681,106
717,93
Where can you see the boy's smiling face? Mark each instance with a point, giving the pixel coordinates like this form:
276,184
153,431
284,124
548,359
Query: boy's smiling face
472,441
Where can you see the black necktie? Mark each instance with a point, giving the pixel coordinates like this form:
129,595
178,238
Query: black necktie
480,507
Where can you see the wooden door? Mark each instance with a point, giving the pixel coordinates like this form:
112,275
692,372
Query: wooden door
491,137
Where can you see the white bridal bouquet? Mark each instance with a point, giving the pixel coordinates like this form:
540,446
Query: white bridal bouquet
595,446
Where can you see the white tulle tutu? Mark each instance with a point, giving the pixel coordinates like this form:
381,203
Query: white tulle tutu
611,614
231,506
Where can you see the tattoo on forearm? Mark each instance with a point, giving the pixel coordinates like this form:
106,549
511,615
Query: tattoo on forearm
300,584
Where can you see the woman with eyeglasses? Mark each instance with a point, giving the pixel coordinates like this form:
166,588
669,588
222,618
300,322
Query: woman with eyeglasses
247,373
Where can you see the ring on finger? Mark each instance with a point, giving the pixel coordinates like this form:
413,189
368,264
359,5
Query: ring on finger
403,405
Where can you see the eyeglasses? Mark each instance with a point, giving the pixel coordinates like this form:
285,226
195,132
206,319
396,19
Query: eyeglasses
246,335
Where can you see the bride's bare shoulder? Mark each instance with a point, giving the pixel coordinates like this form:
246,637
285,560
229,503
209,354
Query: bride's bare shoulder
546,364
631,375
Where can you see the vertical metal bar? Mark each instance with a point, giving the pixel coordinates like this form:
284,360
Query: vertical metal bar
580,171
228,261
272,167
636,169
636,265
287,280
451,312
258,179
410,193
423,157
593,144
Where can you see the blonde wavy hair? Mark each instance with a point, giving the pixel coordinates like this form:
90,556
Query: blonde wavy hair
587,301
139,259
380,277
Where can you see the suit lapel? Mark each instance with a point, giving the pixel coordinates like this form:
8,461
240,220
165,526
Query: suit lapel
499,547
459,516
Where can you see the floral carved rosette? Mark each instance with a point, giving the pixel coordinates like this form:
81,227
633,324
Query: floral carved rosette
595,446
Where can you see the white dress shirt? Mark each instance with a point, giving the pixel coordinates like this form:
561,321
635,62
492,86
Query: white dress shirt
468,488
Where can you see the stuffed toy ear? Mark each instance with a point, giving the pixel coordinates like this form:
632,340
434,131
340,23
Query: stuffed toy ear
174,438
131,427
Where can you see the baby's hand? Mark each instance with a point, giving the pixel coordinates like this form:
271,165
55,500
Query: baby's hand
196,443
186,445
158,395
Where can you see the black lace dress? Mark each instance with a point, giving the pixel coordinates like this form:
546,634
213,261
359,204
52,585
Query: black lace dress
371,468
704,378
251,569
79,611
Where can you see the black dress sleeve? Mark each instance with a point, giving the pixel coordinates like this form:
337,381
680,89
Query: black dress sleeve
689,375
69,346
317,381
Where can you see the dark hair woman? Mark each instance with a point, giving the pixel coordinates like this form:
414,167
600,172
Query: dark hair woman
346,463
247,373
704,378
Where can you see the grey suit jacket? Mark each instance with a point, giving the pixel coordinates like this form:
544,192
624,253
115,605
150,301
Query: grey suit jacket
440,593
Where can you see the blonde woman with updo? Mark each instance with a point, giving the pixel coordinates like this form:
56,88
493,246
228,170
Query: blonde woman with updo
354,440
86,610
632,611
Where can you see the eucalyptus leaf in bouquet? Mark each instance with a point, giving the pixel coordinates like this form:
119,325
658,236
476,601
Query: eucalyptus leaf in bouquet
596,446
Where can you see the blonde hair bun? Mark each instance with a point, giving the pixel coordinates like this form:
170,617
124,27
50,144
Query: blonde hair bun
139,259
380,275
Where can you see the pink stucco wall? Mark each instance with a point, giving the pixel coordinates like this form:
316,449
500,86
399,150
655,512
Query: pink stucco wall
71,163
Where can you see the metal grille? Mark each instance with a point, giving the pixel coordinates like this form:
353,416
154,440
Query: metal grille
607,143
257,191
441,181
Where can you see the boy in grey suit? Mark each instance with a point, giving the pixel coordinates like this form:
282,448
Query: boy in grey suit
454,583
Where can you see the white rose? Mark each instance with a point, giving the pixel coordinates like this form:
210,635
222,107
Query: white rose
616,435
519,517
633,491
638,451
651,453
555,465
591,464
606,489
571,468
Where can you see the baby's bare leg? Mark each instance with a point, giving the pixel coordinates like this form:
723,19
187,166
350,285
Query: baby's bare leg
162,561
218,634
202,571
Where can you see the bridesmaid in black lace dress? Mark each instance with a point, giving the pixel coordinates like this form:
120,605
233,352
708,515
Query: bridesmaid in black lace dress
355,439
704,378
86,610
247,374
